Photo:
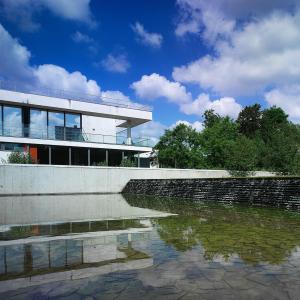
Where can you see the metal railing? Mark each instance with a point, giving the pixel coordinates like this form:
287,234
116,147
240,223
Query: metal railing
71,95
71,134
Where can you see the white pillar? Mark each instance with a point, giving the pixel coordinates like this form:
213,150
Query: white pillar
129,140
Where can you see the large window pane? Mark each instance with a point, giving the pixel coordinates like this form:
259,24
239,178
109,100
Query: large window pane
12,121
56,125
73,131
72,120
38,124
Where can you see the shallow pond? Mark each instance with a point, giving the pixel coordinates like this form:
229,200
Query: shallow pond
133,247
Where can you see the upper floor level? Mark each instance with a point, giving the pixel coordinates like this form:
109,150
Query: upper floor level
129,113
35,116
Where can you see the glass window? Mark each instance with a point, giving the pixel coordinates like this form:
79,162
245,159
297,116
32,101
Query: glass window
13,147
55,118
12,121
56,125
38,124
73,120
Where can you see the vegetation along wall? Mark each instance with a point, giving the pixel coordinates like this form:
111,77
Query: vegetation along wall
270,191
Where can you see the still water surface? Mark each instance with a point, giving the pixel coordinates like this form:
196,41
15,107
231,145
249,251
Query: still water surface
133,247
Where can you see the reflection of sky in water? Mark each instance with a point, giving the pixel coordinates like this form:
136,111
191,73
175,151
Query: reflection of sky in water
206,251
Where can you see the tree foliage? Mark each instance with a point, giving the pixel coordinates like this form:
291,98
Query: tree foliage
180,148
257,140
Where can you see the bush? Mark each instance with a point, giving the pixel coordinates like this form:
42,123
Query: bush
127,163
18,157
101,164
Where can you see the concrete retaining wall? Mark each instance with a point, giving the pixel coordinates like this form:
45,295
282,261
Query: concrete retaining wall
45,179
279,192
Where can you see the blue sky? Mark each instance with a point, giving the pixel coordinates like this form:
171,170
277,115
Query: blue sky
181,57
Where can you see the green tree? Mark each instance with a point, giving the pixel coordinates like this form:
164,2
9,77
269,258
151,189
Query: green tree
273,120
180,148
217,140
280,152
249,120
242,156
210,118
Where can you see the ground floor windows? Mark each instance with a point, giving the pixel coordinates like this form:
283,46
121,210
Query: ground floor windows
98,157
12,147
59,155
78,156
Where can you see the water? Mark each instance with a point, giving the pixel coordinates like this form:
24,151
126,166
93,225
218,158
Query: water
115,247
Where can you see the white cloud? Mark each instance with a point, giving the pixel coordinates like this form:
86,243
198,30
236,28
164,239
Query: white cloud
155,86
196,125
199,16
53,76
226,106
288,98
77,10
79,37
115,95
263,53
116,64
218,17
14,58
145,37
153,130
23,12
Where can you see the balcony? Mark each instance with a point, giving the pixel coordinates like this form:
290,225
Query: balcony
72,134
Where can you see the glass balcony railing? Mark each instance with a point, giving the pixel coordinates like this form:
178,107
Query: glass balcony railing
71,134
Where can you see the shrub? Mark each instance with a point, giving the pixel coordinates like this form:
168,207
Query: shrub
101,164
127,163
18,157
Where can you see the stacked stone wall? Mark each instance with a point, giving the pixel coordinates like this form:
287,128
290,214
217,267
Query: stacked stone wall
279,192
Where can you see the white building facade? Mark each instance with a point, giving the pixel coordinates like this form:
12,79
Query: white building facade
61,128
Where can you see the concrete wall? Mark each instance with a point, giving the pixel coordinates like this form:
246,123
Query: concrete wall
45,179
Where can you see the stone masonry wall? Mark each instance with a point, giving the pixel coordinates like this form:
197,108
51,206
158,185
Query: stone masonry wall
279,192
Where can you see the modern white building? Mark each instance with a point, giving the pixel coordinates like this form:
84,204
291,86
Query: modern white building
64,128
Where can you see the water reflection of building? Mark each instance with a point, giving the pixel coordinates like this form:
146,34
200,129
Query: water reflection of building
70,237
55,258
69,208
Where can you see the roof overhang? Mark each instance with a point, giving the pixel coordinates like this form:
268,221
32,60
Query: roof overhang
130,116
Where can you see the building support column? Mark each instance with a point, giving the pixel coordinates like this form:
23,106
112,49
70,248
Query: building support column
70,156
129,139
139,161
89,156
106,157
123,155
50,158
